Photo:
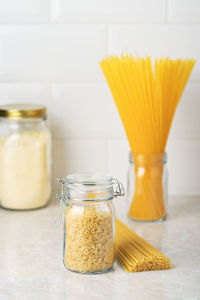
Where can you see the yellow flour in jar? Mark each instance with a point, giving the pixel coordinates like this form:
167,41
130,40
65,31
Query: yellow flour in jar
89,240
24,170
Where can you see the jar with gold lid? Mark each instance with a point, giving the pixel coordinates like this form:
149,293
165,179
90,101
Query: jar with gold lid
25,157
89,228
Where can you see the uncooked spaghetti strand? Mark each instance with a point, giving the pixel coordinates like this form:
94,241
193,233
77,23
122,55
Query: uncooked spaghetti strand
135,254
147,103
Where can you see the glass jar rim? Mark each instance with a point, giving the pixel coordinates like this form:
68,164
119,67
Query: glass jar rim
89,187
88,180
148,158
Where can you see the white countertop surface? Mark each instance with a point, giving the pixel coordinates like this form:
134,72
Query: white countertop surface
31,258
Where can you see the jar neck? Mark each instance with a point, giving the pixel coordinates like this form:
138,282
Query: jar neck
97,196
148,159
89,187
24,123
21,120
91,202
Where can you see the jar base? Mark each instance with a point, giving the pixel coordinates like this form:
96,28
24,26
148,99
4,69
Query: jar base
149,221
26,209
91,273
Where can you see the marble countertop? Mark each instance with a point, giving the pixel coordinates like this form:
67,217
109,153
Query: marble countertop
31,258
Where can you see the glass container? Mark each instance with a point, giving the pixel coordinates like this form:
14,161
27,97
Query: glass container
25,157
89,221
147,188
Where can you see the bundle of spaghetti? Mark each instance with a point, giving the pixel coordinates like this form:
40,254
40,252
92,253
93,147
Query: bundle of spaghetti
135,254
147,100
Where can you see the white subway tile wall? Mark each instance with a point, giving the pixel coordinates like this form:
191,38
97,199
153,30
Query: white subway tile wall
50,53
109,11
183,11
85,110
24,11
158,40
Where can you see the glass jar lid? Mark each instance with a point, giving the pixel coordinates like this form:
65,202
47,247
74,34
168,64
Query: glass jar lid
21,111
90,187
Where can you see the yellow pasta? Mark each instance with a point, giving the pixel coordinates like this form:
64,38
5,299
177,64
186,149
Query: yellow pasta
135,254
146,99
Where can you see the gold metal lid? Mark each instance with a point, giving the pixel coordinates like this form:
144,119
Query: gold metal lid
21,111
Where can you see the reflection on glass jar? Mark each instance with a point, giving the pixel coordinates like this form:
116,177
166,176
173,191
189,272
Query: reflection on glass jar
89,227
147,187
25,157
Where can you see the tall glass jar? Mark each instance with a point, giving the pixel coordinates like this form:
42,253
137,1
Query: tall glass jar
147,188
89,227
25,157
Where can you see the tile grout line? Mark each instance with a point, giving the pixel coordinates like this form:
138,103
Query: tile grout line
106,152
69,83
107,36
50,108
166,18
82,23
115,138
88,138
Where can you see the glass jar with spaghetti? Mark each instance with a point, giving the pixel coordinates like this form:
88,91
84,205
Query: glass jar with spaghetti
89,227
147,188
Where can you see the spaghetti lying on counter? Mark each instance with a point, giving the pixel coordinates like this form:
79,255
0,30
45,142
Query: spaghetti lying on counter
135,254
146,98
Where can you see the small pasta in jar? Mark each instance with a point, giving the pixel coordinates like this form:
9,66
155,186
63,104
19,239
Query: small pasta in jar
89,227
